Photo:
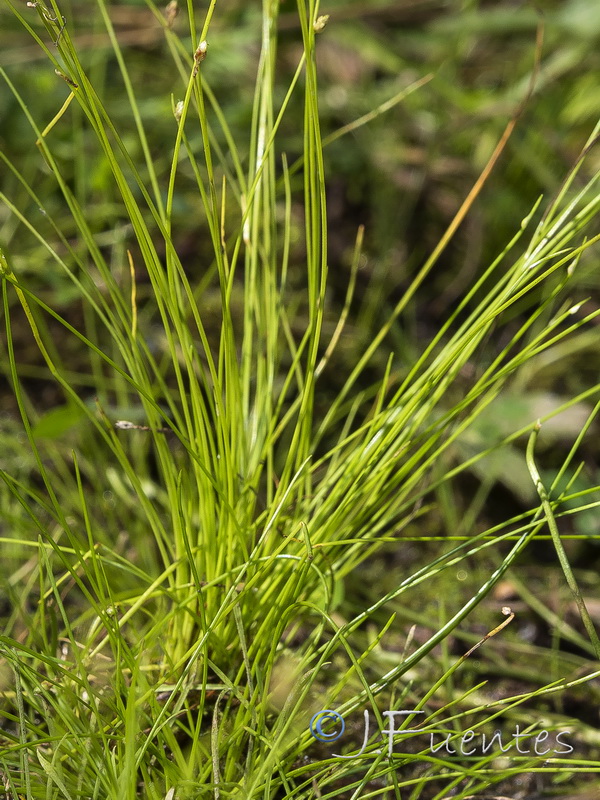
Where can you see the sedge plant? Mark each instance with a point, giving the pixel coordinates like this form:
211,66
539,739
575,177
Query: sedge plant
179,528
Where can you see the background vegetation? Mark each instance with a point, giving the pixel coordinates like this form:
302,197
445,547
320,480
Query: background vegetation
120,285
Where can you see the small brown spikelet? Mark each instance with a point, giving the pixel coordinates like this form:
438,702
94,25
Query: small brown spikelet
171,11
200,55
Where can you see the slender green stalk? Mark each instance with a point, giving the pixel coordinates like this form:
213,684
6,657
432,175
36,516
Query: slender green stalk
556,541
221,495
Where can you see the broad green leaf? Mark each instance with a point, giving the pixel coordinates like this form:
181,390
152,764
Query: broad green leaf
57,421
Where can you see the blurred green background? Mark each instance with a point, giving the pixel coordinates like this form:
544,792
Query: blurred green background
403,176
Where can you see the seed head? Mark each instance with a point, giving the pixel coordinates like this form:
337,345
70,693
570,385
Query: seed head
199,56
200,53
320,23
171,12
